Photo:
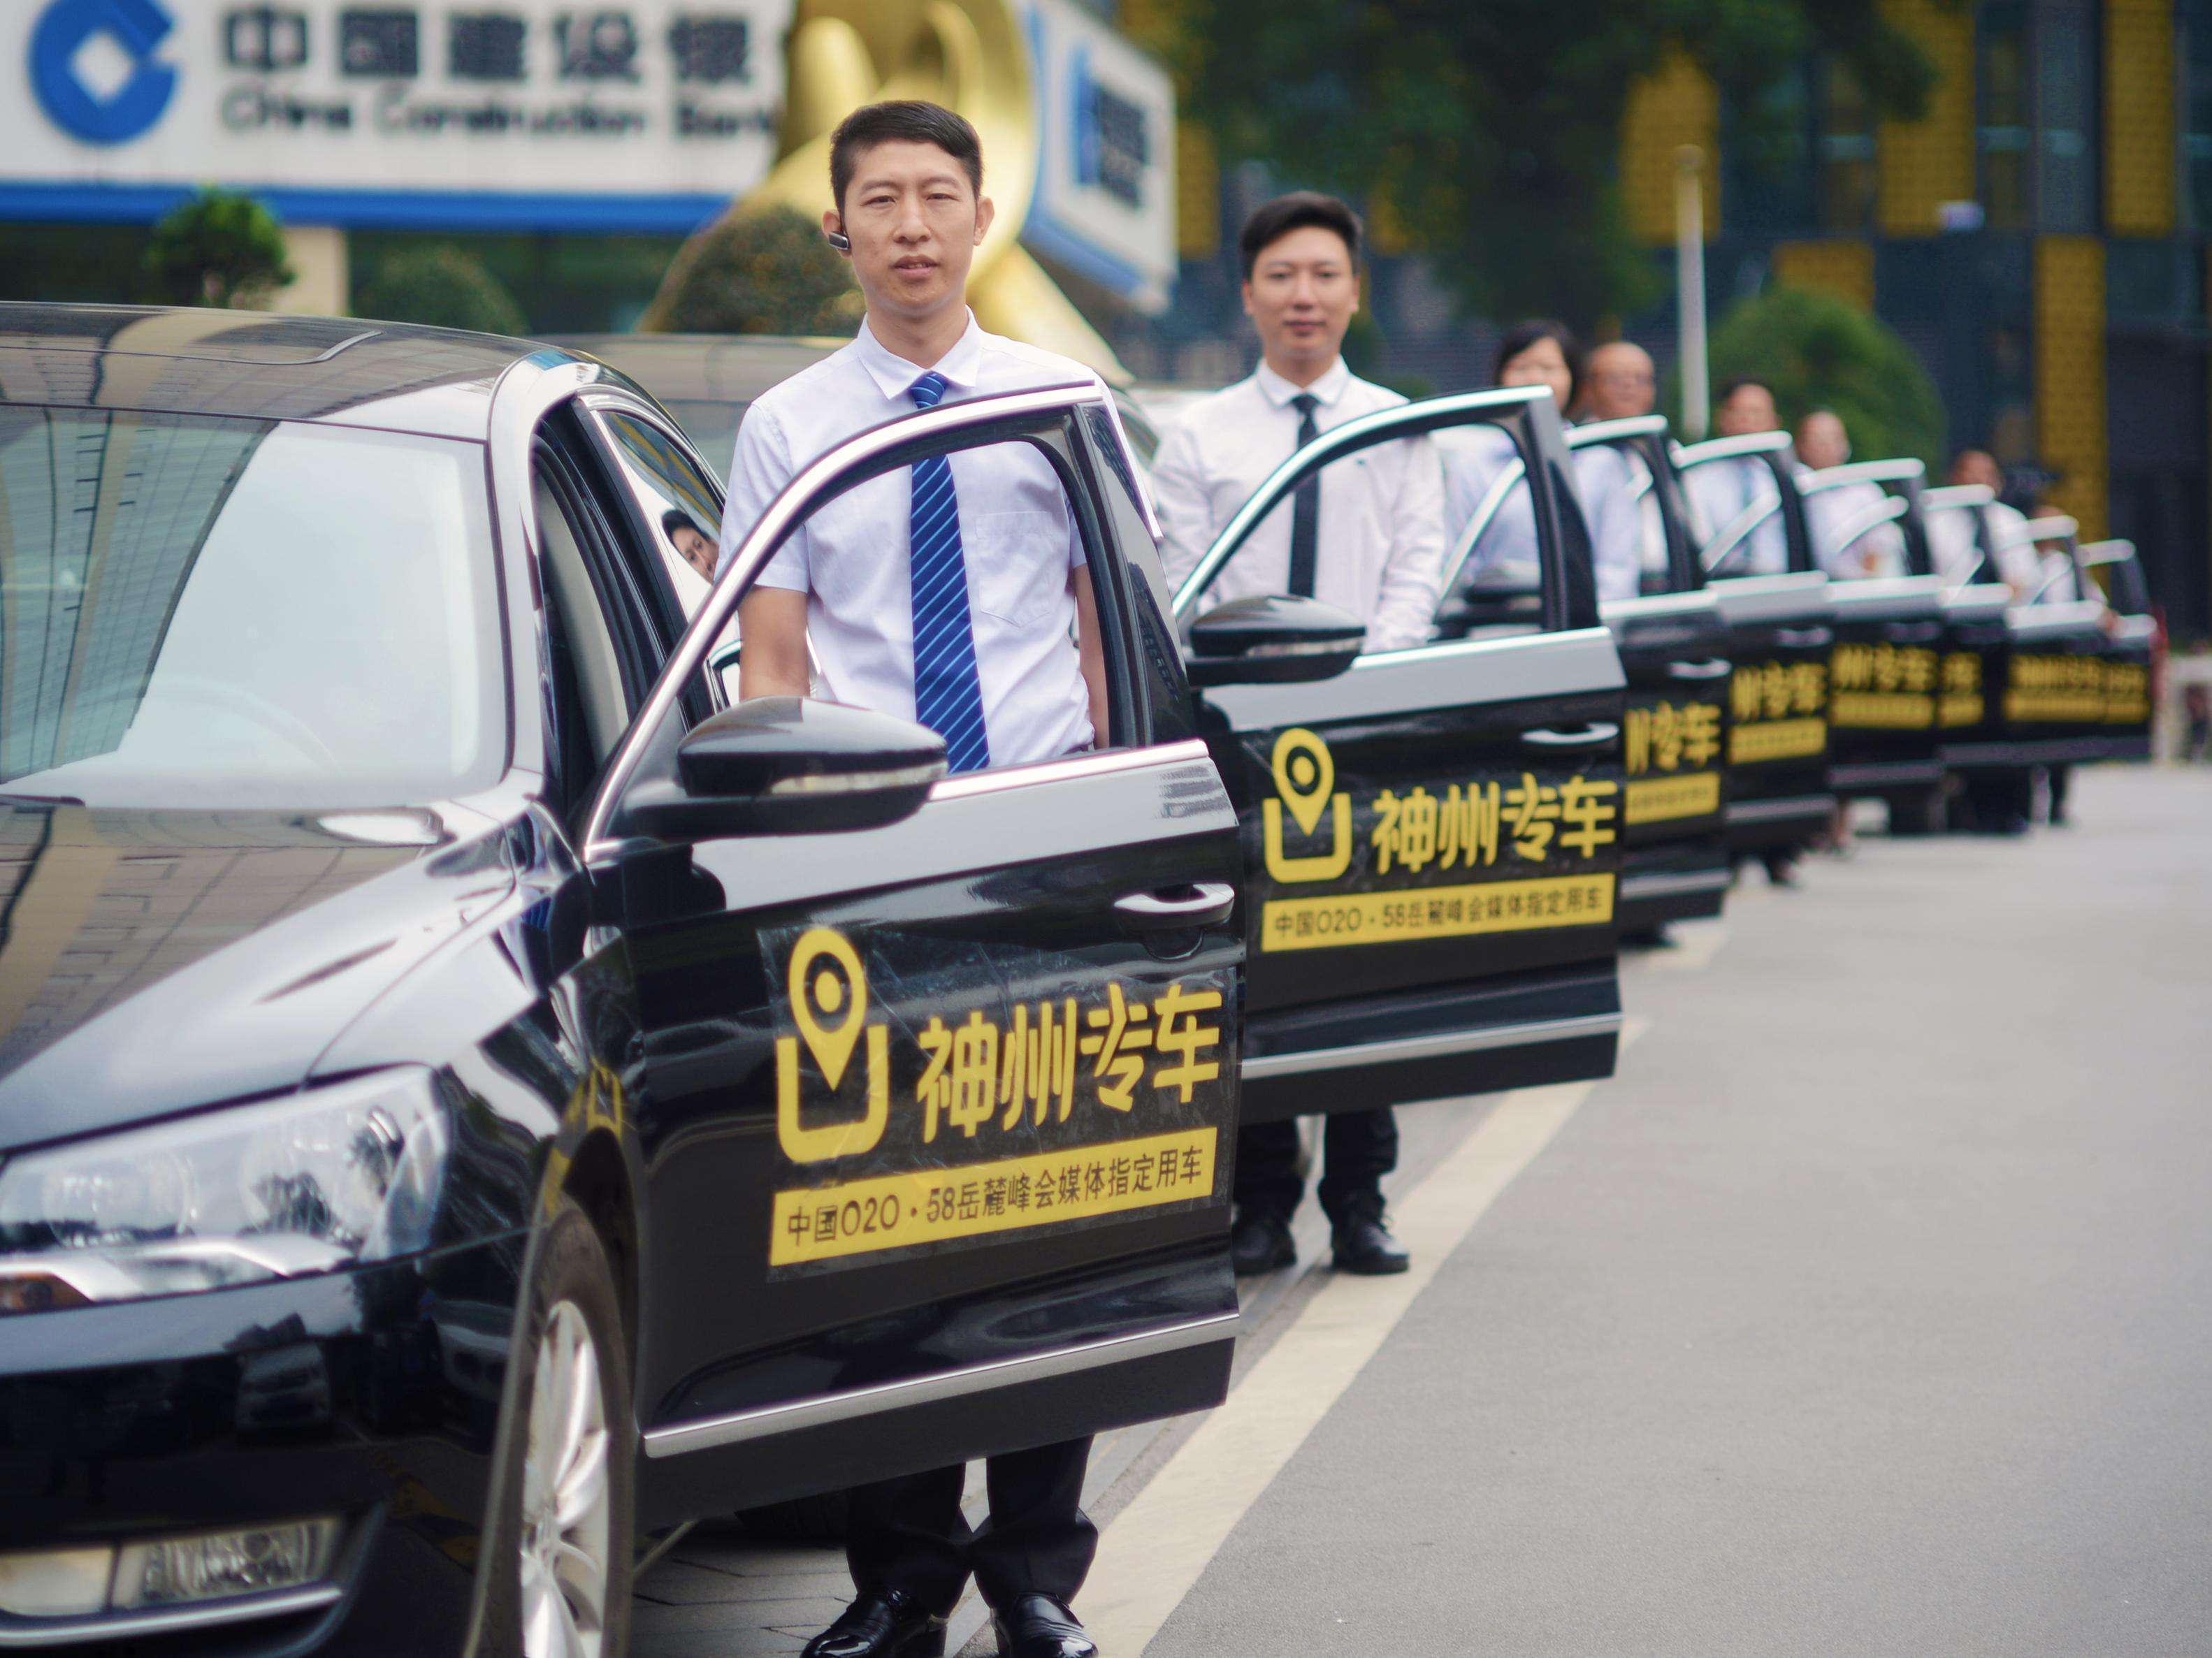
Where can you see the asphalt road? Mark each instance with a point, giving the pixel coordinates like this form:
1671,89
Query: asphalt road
1869,1311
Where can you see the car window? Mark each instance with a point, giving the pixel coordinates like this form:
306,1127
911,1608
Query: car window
1857,528
1024,541
211,612
1493,560
680,508
580,631
1390,493
1739,502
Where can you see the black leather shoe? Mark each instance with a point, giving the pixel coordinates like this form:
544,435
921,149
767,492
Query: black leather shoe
887,1625
1260,1243
1038,1626
1364,1246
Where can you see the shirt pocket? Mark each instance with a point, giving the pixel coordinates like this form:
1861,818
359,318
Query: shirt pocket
1017,564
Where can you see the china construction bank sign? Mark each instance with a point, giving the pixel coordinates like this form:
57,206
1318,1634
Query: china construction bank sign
541,114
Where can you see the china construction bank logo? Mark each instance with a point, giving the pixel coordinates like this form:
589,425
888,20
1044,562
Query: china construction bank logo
94,70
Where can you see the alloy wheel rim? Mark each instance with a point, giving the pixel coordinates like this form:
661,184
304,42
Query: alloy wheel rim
566,1501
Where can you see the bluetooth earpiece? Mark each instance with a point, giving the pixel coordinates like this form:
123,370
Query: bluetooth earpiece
839,241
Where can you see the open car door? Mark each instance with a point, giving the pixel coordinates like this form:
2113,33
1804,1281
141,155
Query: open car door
1885,671
938,1072
1757,559
1432,836
1955,529
1674,646
2054,700
2131,643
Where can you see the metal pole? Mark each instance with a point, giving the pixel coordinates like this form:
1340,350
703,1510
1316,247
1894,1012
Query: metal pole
1690,290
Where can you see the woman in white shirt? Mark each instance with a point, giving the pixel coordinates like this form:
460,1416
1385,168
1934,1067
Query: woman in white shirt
1547,354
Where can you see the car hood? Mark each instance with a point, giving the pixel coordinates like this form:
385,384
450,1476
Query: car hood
153,960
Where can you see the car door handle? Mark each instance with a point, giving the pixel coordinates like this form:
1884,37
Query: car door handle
1201,904
1589,737
1801,636
1710,667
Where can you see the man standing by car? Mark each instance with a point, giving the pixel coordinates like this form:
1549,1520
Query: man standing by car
954,593
1822,441
1365,536
1725,491
1619,382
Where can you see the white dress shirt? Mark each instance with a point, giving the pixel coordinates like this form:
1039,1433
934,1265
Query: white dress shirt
1724,490
1018,539
1879,552
1474,456
1379,549
1951,541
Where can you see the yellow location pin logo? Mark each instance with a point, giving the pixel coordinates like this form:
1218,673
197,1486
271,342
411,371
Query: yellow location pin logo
816,990
1304,775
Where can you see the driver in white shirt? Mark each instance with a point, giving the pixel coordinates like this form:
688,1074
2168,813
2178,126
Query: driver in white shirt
1377,547
1366,534
957,595
1725,492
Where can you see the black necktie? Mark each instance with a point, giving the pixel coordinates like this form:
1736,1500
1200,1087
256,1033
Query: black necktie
1305,504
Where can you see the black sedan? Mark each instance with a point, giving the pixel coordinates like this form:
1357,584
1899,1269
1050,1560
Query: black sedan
468,1096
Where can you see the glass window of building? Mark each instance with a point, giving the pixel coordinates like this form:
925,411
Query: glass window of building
1769,182
2065,117
1846,149
2004,130
2196,45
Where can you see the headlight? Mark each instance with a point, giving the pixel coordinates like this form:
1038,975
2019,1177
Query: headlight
322,1180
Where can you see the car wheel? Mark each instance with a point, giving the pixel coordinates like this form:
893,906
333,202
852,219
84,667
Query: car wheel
562,1554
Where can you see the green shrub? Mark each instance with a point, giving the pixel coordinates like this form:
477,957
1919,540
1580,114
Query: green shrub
443,287
220,248
1818,351
765,273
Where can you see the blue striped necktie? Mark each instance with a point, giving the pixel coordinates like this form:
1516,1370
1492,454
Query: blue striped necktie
948,693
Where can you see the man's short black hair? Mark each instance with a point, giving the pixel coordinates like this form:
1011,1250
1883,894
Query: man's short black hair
675,520
1731,386
1273,221
907,120
1522,335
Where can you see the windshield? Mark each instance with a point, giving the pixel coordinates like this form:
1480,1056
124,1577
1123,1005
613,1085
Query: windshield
210,612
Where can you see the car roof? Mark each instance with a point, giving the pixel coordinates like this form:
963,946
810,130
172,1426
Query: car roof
705,368
334,370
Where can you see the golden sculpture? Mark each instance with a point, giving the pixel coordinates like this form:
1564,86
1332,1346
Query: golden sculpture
968,55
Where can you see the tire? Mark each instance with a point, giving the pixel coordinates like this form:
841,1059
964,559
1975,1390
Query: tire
820,1519
574,1329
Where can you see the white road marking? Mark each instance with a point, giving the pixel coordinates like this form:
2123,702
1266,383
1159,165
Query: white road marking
1158,1547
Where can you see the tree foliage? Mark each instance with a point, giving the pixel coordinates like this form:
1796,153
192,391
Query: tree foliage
443,287
1491,127
1821,352
769,272
220,248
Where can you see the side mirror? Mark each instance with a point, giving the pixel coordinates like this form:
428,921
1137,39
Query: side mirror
1273,639
789,765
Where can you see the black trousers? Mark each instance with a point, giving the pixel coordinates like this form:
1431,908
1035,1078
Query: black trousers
909,1534
1358,1148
